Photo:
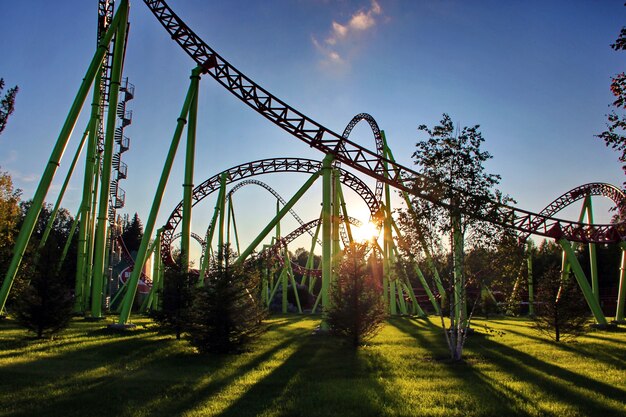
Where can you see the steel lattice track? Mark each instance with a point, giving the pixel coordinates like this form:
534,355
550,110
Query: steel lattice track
358,157
250,169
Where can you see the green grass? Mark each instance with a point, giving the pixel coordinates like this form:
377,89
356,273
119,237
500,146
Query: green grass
403,372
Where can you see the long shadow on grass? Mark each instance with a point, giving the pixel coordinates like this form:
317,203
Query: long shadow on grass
542,374
474,385
595,350
320,377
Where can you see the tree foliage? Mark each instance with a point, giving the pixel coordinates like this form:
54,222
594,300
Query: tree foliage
9,218
227,313
45,305
615,135
132,233
560,311
176,300
357,309
7,104
452,173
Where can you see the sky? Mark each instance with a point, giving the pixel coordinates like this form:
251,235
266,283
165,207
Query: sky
534,75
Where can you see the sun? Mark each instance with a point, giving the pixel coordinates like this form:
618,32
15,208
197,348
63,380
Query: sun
365,232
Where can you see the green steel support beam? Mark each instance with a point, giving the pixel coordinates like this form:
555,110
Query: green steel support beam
327,171
188,181
148,300
68,243
85,236
235,232
91,238
336,249
211,230
621,294
278,217
57,205
311,258
593,262
102,224
344,211
55,159
531,291
594,305
158,196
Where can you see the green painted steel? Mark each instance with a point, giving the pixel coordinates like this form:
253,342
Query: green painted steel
211,230
91,243
531,291
422,241
188,181
158,196
68,176
344,211
621,294
327,170
84,236
593,262
55,159
68,243
102,224
582,282
148,300
278,217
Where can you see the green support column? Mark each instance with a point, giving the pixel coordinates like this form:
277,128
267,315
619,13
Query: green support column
91,235
327,170
57,205
621,295
211,230
593,262
84,235
127,303
278,217
344,211
420,237
531,292
102,224
310,260
335,220
188,181
55,159
582,282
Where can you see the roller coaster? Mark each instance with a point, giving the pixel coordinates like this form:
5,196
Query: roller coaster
104,168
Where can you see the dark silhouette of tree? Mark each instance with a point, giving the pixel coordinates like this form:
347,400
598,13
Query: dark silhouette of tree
560,311
45,305
357,309
132,233
227,313
7,104
175,299
615,135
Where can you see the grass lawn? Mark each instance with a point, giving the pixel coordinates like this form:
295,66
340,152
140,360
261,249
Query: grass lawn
508,370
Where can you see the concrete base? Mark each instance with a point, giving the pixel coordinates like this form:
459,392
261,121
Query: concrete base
607,327
121,327
94,319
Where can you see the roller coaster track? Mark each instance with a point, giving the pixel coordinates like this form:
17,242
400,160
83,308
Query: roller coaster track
592,189
263,166
356,156
275,194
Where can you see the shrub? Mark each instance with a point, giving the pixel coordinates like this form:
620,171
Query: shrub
560,309
227,313
357,309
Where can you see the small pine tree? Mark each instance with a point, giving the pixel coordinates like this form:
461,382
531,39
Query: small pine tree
7,104
45,305
176,299
357,309
560,308
227,313
132,233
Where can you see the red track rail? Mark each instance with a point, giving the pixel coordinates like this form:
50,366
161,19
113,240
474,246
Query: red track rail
325,140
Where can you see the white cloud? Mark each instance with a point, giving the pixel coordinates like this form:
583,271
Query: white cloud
340,43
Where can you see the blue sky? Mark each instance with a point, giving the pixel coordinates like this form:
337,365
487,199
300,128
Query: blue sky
535,75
